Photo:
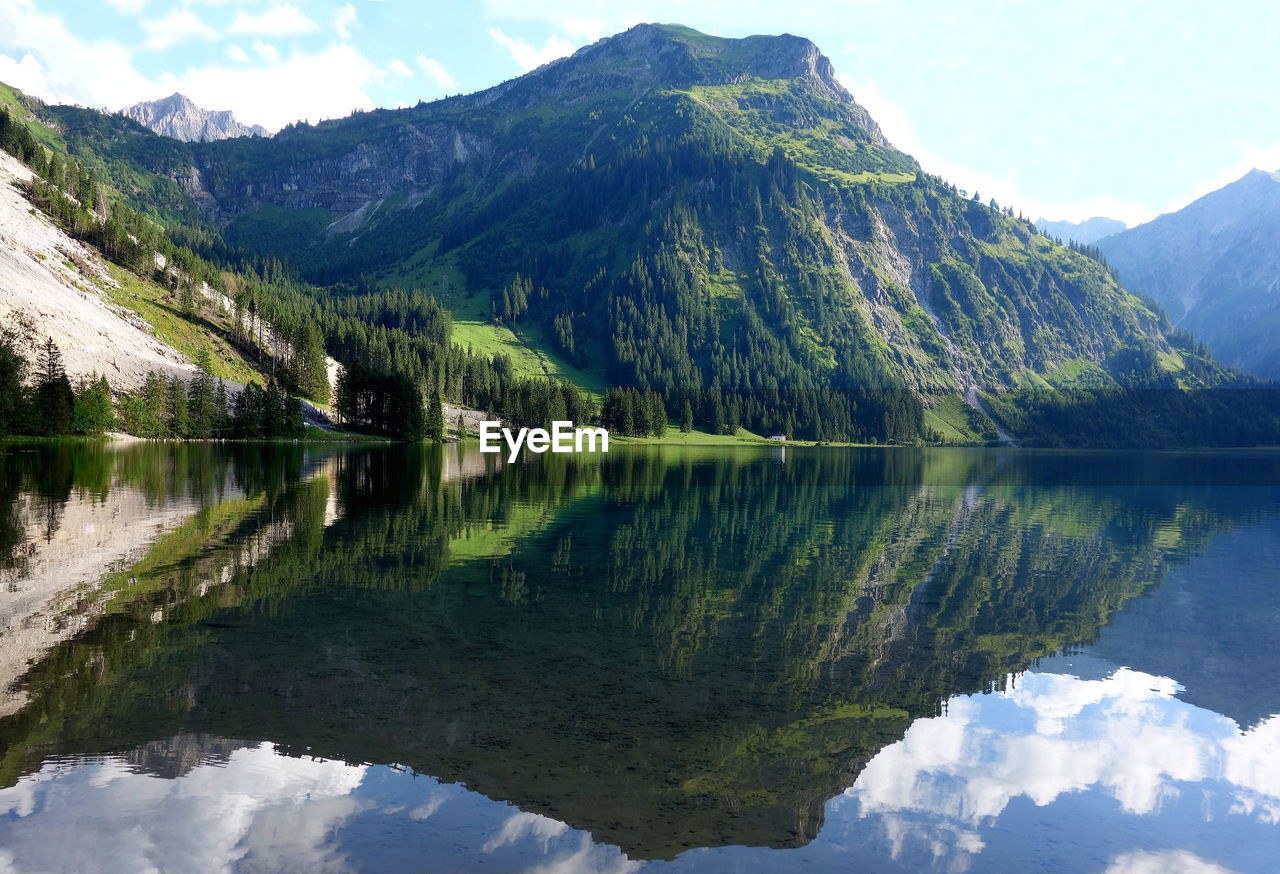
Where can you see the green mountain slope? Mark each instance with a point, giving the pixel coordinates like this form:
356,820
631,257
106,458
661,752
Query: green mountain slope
717,220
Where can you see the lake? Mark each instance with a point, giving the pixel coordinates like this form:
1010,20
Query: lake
282,658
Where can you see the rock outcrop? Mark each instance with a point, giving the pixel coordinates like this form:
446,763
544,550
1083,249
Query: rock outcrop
178,117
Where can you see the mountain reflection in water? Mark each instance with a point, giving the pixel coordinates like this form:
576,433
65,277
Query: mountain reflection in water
695,658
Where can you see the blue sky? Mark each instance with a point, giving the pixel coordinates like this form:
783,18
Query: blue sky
1061,109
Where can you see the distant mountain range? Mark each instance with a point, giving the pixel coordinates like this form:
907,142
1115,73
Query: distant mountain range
1088,231
1215,267
178,117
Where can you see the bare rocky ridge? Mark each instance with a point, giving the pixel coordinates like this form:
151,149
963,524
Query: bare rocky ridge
178,117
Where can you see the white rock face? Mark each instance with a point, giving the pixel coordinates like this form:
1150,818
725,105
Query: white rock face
57,284
176,116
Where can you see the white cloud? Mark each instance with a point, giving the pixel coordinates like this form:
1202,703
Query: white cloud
38,54
428,808
237,54
284,19
397,67
177,27
344,20
266,51
588,858
589,21
128,7
324,84
25,73
435,71
897,126
588,30
528,56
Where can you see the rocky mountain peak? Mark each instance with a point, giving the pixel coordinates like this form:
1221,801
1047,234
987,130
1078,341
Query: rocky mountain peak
689,57
649,57
179,117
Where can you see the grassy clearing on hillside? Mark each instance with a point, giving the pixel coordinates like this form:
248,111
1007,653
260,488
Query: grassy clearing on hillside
950,418
157,306
1073,373
525,343
829,147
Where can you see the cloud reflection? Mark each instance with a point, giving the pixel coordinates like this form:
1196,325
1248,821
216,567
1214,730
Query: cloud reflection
1049,735
1169,862
254,809
258,811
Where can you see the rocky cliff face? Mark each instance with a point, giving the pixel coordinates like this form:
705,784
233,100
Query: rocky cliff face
1215,267
405,159
176,116
511,131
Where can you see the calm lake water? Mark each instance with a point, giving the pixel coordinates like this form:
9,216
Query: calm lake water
288,659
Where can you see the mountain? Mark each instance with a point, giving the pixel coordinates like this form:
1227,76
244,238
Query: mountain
176,116
1214,265
1088,231
716,221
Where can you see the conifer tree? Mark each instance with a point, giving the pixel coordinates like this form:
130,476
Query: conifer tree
435,416
657,415
200,399
177,418
221,412
53,402
13,369
94,413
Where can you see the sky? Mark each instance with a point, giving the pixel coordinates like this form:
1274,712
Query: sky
1060,109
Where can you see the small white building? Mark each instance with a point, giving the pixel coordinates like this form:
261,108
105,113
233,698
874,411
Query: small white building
781,438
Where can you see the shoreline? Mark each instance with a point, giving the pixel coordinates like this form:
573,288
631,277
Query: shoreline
351,438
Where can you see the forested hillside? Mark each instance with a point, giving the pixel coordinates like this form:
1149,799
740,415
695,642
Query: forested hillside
713,222
400,363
